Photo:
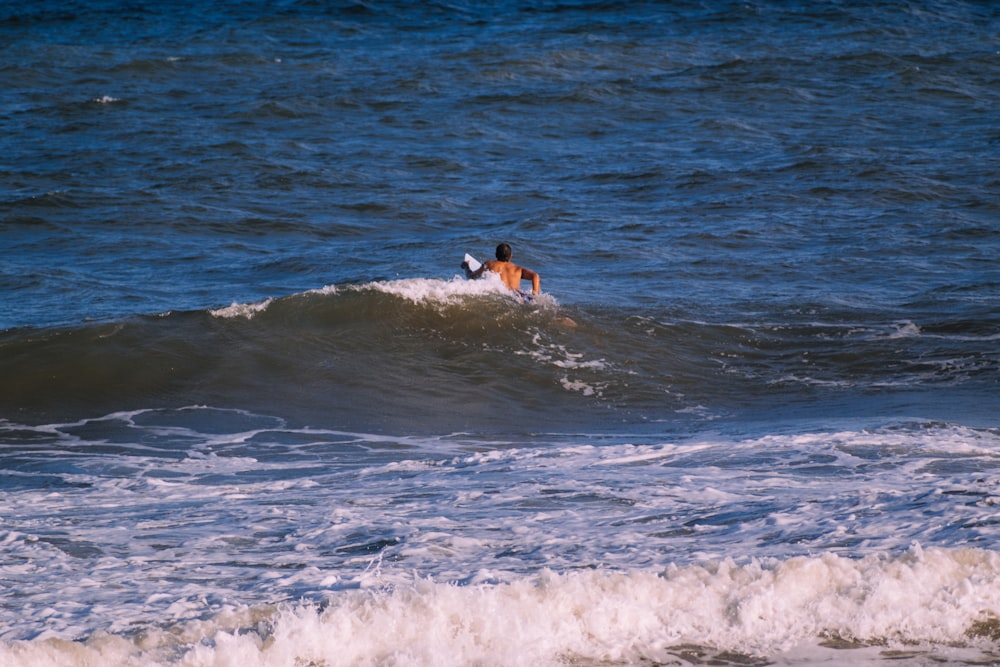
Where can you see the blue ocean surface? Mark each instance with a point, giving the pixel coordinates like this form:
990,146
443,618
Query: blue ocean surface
252,412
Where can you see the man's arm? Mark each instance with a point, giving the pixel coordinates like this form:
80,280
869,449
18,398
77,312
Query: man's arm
488,265
536,281
470,274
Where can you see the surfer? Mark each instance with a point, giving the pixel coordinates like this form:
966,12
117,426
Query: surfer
510,273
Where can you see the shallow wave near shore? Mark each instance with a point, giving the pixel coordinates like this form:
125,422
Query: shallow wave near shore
205,536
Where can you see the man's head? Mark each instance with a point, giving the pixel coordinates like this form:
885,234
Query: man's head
503,252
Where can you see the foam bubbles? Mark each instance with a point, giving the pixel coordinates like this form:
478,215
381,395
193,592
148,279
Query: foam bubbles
922,598
905,329
430,290
244,310
198,521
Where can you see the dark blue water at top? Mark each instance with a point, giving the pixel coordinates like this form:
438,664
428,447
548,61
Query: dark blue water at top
755,155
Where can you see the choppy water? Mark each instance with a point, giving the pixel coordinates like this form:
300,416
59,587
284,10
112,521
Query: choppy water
251,413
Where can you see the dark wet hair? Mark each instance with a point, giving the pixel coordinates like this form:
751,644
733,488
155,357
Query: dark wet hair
503,252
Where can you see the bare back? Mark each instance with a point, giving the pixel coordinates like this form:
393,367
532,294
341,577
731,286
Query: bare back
511,274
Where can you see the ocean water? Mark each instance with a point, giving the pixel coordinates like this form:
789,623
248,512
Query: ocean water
252,412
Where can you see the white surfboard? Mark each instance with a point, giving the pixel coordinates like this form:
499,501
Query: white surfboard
471,264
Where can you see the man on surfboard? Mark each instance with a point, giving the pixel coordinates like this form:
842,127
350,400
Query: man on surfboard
510,273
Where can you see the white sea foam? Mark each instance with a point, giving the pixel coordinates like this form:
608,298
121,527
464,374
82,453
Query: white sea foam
326,289
925,598
905,329
245,310
179,542
432,290
589,374
415,290
579,386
